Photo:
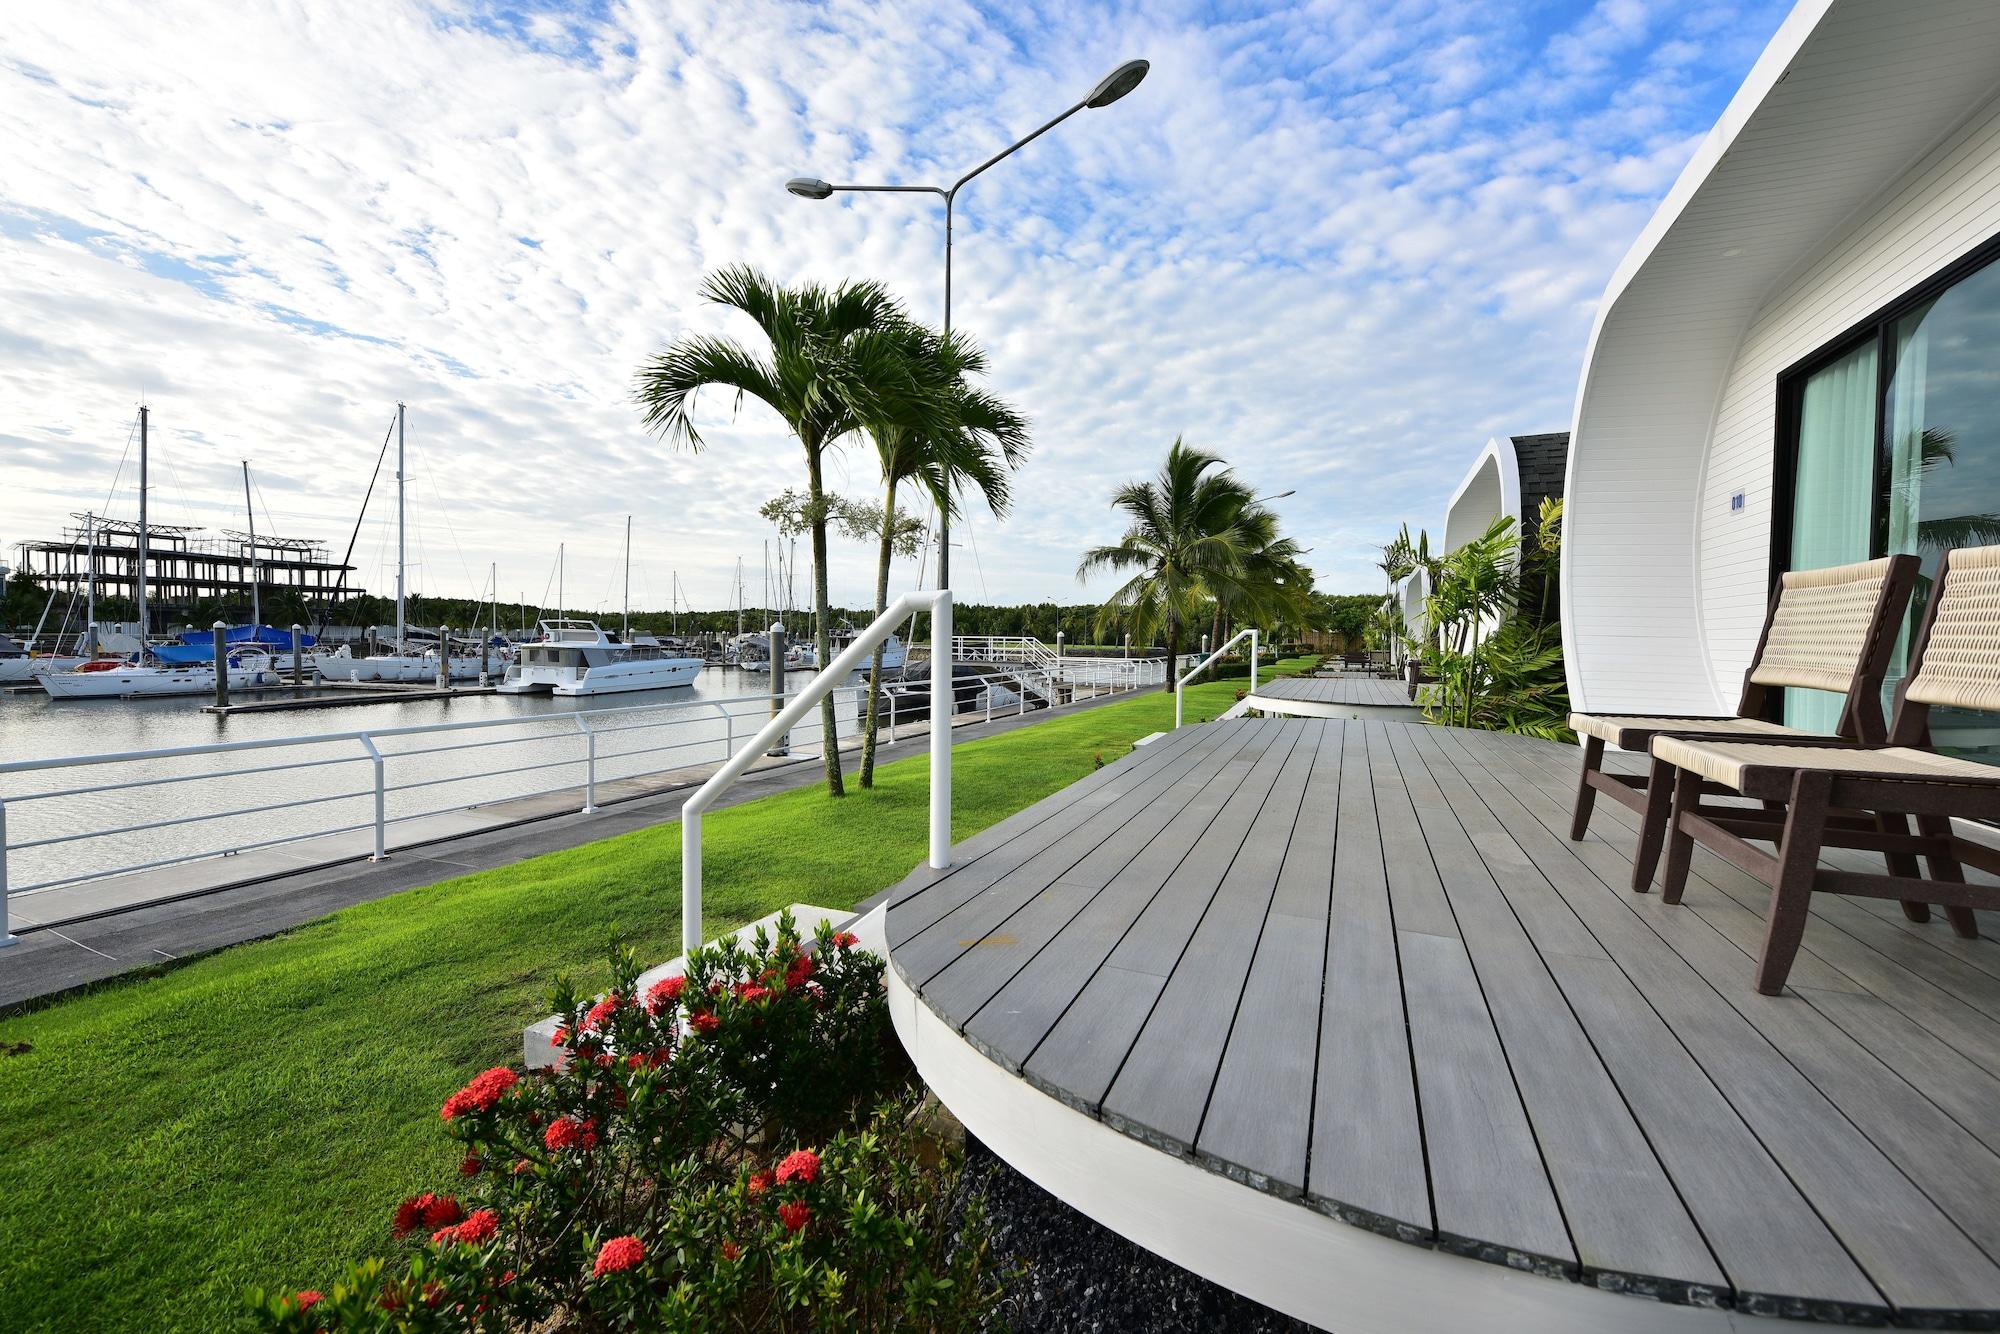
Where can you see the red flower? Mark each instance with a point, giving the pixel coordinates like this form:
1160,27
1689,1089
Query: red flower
793,1214
568,1132
618,1255
799,972
481,1093
431,1211
472,1166
801,1165
474,1231
601,1011
560,1036
730,1251
664,994
443,1209
308,1299
759,1183
846,940
522,1167
704,1021
390,1300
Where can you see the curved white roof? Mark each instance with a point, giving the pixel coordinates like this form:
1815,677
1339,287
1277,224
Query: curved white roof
1848,95
1490,488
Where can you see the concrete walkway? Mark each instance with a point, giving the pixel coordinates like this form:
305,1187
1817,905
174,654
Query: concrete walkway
215,904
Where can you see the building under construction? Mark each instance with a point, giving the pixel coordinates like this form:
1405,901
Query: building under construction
184,567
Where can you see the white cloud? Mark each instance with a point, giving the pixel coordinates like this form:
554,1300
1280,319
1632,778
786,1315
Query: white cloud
1338,243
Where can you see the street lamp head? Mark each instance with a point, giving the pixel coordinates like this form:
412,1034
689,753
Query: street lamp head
805,187
1117,83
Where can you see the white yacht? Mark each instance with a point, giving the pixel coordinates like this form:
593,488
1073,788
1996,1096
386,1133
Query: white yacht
579,658
124,680
19,666
414,664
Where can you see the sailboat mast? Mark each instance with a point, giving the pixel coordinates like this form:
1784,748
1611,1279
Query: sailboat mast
626,630
140,598
402,560
256,607
562,568
90,593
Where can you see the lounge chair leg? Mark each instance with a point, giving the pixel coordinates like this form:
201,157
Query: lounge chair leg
1798,867
1903,863
1586,795
1945,867
1653,833
1680,843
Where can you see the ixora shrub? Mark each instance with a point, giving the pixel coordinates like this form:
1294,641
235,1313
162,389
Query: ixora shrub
741,1149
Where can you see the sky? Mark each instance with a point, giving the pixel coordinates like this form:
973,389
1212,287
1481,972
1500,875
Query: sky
1340,243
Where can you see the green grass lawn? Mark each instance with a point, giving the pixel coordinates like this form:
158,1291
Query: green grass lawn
252,1116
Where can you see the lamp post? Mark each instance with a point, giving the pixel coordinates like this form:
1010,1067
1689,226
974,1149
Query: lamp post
1108,90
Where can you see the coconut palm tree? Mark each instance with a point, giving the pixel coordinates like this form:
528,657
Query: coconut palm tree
833,361
980,441
1185,538
1271,586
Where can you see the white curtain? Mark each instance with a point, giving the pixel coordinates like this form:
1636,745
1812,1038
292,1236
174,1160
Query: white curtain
1833,493
1904,495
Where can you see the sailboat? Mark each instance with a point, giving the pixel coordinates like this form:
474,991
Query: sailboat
408,662
198,646
111,679
20,665
577,657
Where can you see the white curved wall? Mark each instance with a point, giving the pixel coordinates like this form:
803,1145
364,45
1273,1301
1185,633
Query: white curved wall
1491,487
1800,214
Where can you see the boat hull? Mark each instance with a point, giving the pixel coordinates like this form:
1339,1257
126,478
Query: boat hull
614,678
393,668
136,682
30,671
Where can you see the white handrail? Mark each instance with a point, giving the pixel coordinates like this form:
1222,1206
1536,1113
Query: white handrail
938,603
1202,666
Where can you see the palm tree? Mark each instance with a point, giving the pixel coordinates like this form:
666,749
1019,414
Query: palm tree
980,441
1185,538
833,363
1271,586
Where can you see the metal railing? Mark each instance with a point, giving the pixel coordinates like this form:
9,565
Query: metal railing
95,817
943,705
1200,667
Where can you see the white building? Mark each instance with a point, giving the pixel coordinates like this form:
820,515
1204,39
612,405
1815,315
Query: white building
1798,363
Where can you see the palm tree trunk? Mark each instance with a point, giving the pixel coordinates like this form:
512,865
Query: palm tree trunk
829,729
882,560
1173,651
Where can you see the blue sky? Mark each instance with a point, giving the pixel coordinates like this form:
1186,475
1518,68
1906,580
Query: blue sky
1341,243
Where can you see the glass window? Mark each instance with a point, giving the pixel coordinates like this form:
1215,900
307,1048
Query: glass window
1941,457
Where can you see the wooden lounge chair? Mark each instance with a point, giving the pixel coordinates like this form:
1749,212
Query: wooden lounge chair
1824,793
1830,629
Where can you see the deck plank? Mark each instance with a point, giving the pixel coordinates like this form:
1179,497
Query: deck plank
1760,1057
1259,1120
1366,1160
1162,1090
1624,1215
1083,1052
1013,1023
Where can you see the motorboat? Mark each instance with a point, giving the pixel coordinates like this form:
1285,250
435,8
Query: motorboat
125,680
413,663
576,657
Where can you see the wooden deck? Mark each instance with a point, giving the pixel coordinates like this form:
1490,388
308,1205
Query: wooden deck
1374,691
1360,966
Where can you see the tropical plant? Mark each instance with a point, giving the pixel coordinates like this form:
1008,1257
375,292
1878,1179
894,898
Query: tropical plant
970,446
739,1148
834,362
1195,535
1494,658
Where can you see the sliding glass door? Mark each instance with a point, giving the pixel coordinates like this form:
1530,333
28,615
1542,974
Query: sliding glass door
1896,448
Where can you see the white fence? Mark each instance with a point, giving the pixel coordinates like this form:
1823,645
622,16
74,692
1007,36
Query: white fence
70,821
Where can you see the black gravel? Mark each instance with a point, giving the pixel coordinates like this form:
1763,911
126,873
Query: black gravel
1083,1278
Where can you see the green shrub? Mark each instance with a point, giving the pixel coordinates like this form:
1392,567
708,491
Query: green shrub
739,1149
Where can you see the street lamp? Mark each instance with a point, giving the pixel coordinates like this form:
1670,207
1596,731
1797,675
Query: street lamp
1108,90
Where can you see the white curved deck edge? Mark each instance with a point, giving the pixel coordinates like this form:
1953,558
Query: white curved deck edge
1284,1255
1306,708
